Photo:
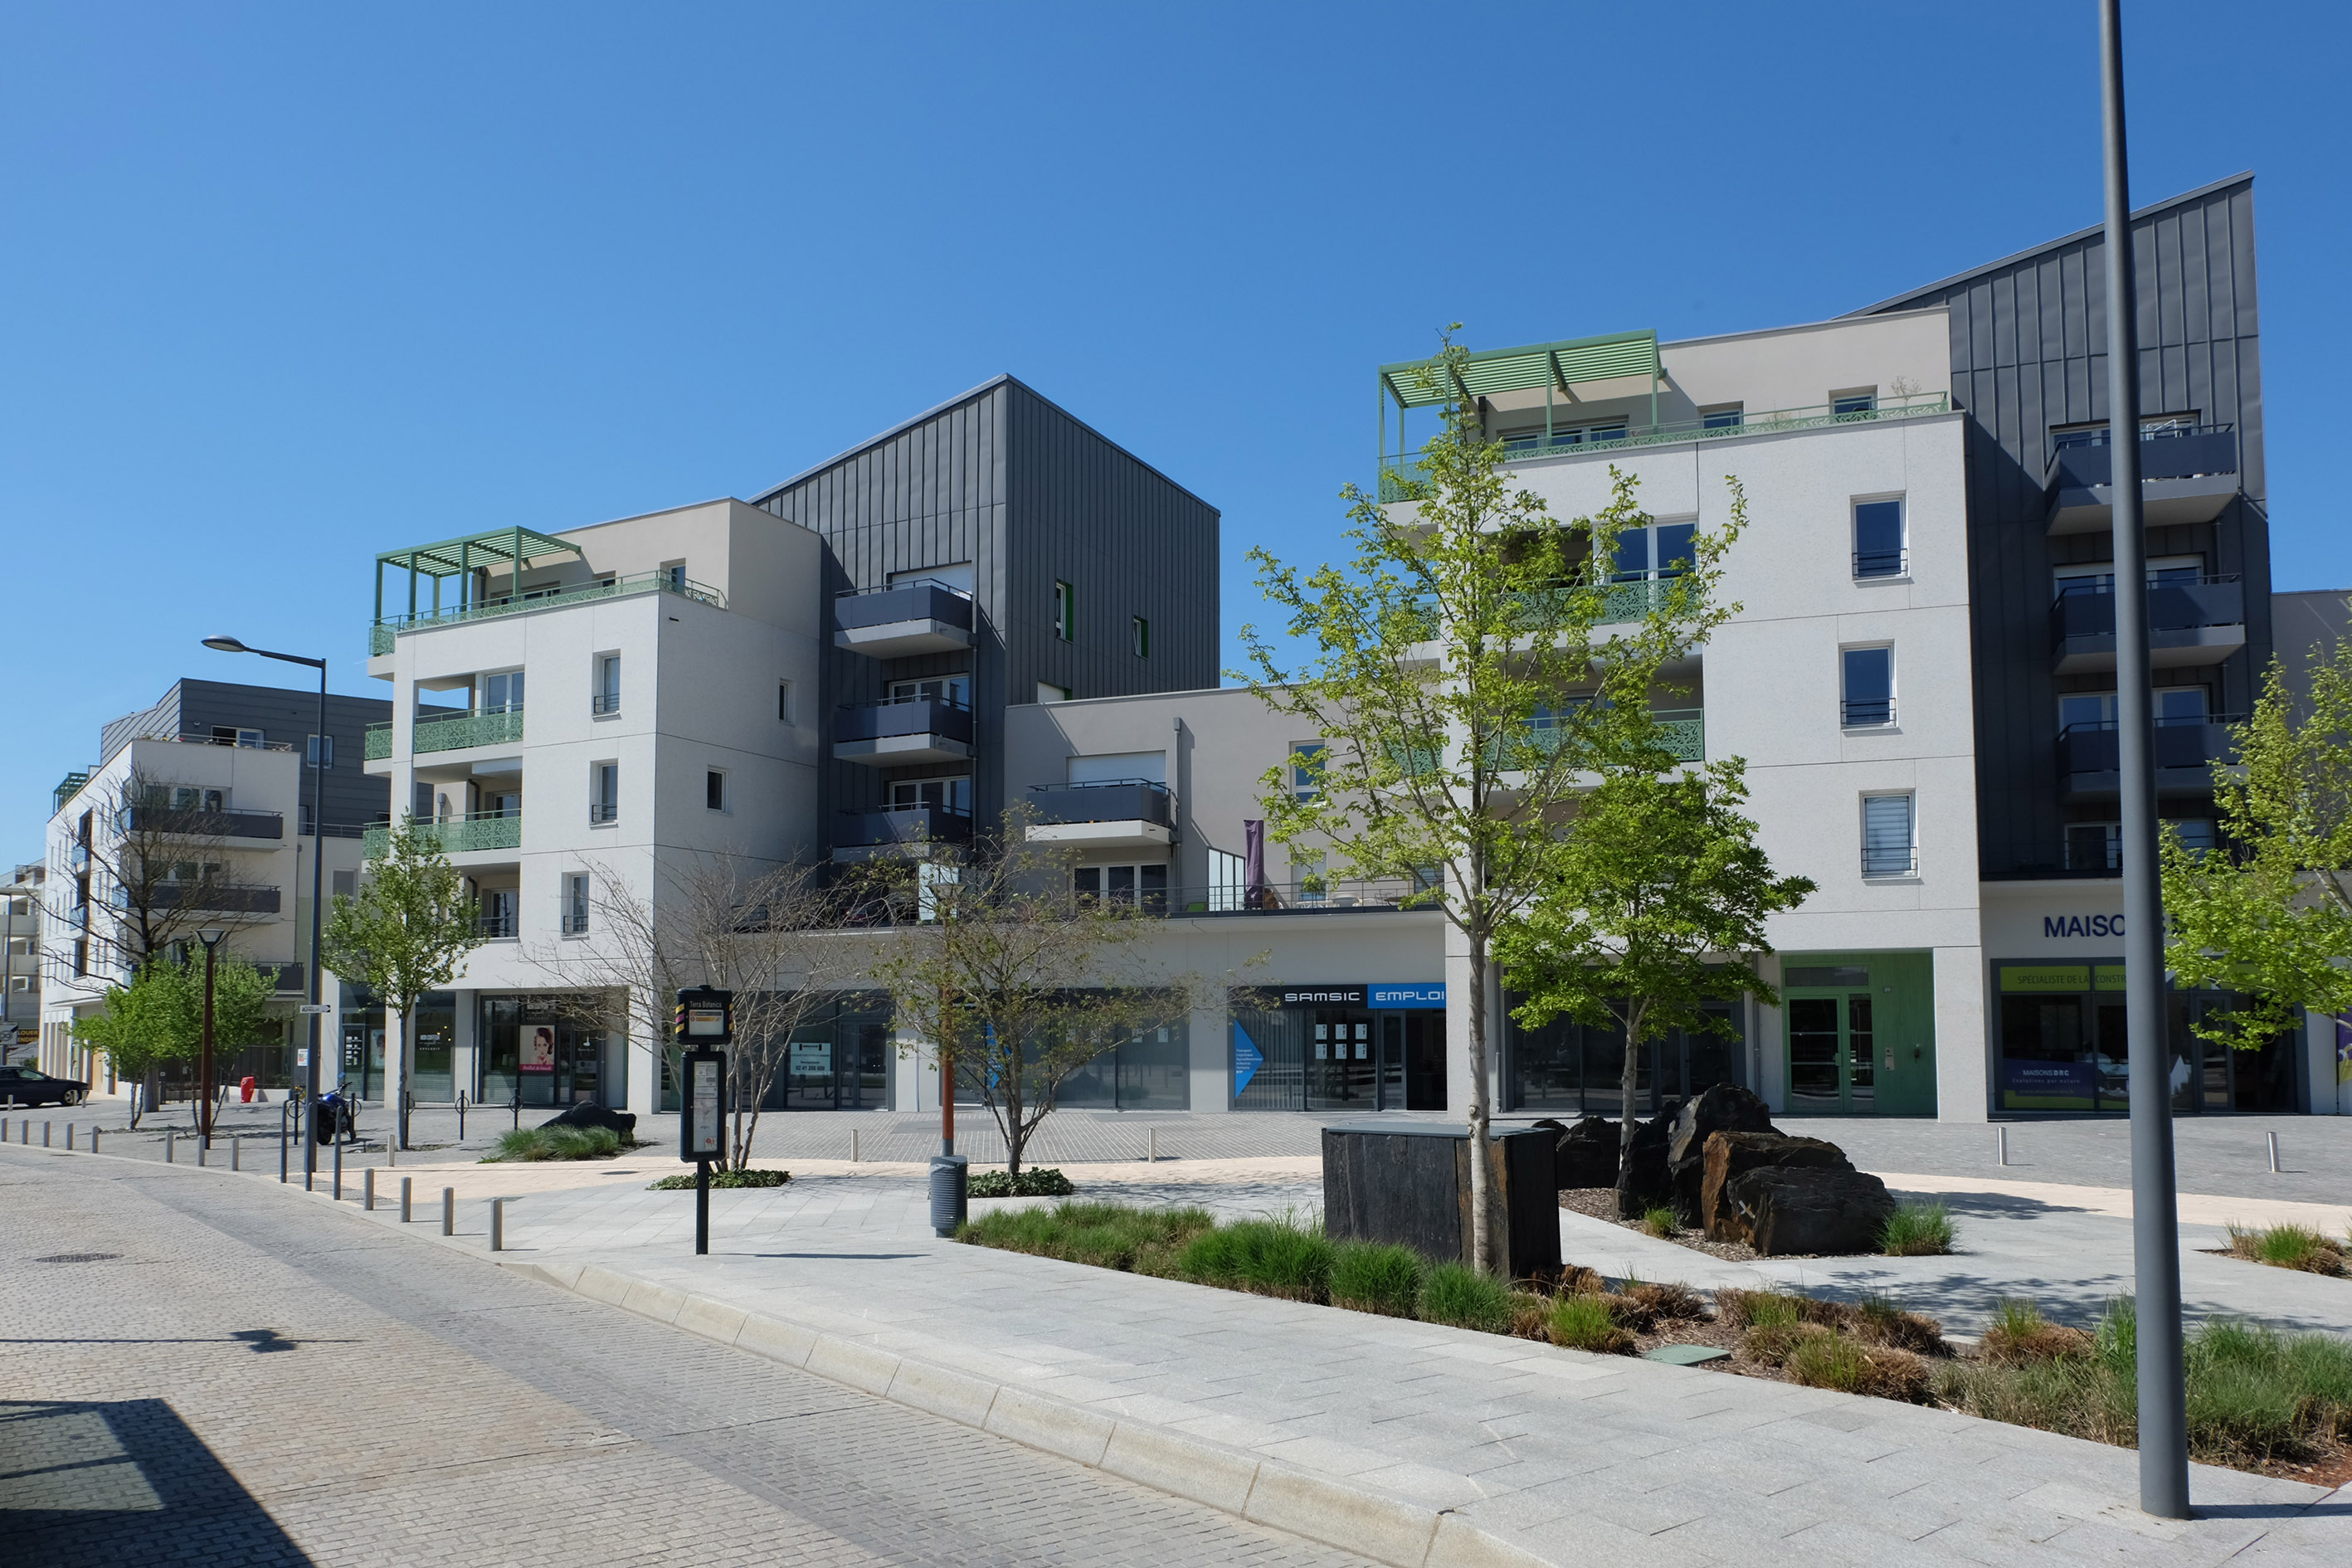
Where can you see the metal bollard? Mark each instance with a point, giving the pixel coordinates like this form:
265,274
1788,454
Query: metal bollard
448,1211
339,1170
2273,1143
405,1195
169,1140
69,1132
93,1140
45,1141
461,1115
497,1225
2001,1145
367,1189
1152,1145
236,1153
853,1146
200,1153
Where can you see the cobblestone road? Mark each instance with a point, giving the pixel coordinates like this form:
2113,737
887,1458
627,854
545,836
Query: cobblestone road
196,1369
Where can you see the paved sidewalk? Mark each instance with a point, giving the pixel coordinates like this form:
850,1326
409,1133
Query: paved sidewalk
1562,1456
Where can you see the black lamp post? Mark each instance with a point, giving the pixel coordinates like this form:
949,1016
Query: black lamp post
211,937
317,883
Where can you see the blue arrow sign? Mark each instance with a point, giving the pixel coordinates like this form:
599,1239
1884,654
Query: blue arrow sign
1247,1060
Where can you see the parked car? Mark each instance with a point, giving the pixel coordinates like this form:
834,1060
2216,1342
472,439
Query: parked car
31,1085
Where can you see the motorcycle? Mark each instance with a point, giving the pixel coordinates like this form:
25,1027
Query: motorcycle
336,1115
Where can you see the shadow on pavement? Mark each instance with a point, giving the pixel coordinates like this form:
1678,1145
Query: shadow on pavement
124,1481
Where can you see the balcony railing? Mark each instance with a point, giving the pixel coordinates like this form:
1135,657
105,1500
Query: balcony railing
1890,860
903,827
2086,608
1301,896
502,727
1112,800
896,716
2186,752
375,745
189,822
455,835
1682,730
215,897
67,787
495,927
1867,712
382,634
1402,479
2081,458
575,923
605,704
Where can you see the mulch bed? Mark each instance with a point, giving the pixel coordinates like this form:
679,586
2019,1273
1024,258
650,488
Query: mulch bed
1600,1203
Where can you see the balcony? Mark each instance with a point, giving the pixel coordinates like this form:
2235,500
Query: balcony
2188,474
1402,479
2190,622
459,731
1116,813
907,618
1681,730
193,824
906,830
2187,752
375,746
215,897
902,732
455,835
70,786
495,926
388,628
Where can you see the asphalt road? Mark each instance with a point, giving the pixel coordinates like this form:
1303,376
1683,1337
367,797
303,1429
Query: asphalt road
196,1369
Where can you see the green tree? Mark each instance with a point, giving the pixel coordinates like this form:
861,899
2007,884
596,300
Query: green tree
1470,667
1009,983
2269,914
406,933
142,1027
1656,881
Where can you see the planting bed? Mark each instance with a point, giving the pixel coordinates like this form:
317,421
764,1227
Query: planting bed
2281,1405
1917,1228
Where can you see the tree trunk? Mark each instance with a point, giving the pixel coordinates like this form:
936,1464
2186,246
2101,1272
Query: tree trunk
1628,1081
1016,1137
1482,1197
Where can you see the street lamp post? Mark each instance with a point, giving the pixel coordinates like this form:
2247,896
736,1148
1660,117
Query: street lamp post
211,937
318,861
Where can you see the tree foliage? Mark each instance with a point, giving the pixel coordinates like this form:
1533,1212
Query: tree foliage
161,869
1656,882
1009,983
158,1020
1472,665
408,928
2268,914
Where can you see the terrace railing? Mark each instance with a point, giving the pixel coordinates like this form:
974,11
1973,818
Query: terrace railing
382,634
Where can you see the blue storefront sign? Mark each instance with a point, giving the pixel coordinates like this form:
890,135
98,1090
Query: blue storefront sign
2048,1086
1247,1060
1408,996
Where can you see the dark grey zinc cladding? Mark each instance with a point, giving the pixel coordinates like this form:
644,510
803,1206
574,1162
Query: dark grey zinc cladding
284,716
1002,479
2028,354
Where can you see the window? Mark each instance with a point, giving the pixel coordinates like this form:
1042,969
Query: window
1869,688
1142,637
1888,846
498,912
1723,416
938,795
420,802
209,800
1306,759
2094,845
1132,887
1066,611
502,693
604,796
80,957
1878,548
346,884
714,789
230,735
575,904
955,690
1659,552
1049,692
607,699
2096,709
321,751
302,819
1857,403
675,572
784,713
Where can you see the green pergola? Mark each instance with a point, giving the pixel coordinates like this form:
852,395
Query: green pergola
459,558
1555,367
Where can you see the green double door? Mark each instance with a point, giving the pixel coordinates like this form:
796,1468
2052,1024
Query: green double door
1860,1033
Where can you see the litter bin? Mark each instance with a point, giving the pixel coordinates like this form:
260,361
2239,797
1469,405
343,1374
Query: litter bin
950,1194
1408,1182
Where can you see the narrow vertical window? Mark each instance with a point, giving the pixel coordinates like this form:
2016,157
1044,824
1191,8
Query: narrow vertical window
1869,687
1306,769
714,789
607,699
1142,637
1878,544
323,751
1889,844
604,799
784,703
674,577
575,904
1066,611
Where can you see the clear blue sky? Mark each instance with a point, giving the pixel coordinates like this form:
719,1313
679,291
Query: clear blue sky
288,286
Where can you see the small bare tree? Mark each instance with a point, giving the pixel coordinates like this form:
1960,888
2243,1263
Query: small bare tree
1009,983
161,869
769,935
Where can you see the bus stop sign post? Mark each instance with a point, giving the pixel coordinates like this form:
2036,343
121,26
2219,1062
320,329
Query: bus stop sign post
704,1022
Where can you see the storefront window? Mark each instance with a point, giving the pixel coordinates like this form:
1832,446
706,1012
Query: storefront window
1578,1068
2064,1047
1340,1049
541,1049
433,1079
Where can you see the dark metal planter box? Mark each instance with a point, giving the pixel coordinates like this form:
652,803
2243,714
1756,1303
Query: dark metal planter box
1409,1182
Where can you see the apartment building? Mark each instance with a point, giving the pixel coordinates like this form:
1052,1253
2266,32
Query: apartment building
821,674
196,816
20,977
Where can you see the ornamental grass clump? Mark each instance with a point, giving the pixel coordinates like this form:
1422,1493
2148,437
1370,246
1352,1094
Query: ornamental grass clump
1879,1322
1369,1277
1826,1360
1760,1309
1462,1298
2292,1247
1587,1323
2019,1335
1659,1220
1105,1236
1284,1258
555,1143
1917,1230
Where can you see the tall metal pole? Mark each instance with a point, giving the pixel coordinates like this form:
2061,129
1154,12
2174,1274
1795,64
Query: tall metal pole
204,1072
2156,1228
318,875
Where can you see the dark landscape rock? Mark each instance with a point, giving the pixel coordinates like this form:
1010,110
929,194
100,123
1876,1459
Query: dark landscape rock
587,1113
1586,1154
1725,1108
1726,1156
1644,1179
1798,1209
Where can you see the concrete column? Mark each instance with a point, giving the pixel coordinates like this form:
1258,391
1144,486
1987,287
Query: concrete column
1457,1024
1767,1043
644,1054
465,1057
1209,1052
1968,1054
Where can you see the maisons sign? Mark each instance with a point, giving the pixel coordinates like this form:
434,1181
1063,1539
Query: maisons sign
2057,927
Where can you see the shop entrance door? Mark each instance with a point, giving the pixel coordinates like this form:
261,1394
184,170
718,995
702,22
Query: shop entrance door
1832,1053
1412,1060
578,1067
1339,1067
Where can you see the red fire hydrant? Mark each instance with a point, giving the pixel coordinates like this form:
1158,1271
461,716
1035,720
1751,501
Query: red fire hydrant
245,1091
